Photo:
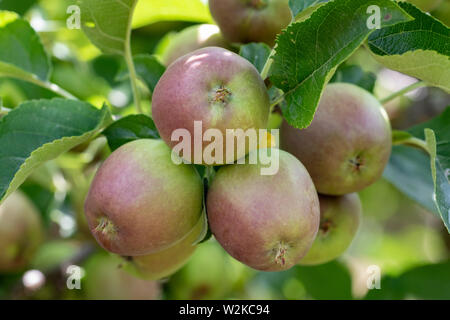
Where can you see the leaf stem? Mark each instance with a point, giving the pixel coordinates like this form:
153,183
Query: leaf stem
277,101
58,90
49,86
268,65
415,142
402,92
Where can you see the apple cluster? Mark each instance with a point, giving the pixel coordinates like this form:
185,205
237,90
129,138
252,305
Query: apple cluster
151,211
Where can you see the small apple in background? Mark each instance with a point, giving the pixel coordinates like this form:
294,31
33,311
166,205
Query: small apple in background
210,274
339,221
191,39
104,279
244,21
21,232
166,262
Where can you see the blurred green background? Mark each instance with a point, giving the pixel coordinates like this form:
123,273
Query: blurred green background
408,244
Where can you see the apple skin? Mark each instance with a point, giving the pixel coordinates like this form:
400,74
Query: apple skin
140,202
21,232
266,222
105,279
244,21
166,262
340,218
348,143
214,86
191,39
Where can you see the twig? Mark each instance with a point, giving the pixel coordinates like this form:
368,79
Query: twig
132,69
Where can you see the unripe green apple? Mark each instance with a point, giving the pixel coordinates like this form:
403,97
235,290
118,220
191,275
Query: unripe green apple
216,88
267,222
166,262
246,21
443,13
191,39
426,5
105,279
21,232
339,221
208,275
140,202
347,145
53,253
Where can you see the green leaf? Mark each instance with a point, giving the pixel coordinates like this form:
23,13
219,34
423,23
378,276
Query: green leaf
23,55
151,11
440,173
42,199
409,171
424,282
334,274
41,130
299,6
107,23
419,48
130,128
356,75
309,52
436,133
107,67
256,53
149,69
20,7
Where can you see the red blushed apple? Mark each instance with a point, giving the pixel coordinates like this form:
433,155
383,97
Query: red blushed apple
140,202
267,222
348,143
216,88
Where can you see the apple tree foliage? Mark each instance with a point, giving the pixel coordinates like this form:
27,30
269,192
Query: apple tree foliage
309,53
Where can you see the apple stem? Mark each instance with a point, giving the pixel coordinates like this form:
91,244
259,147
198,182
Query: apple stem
281,251
402,92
